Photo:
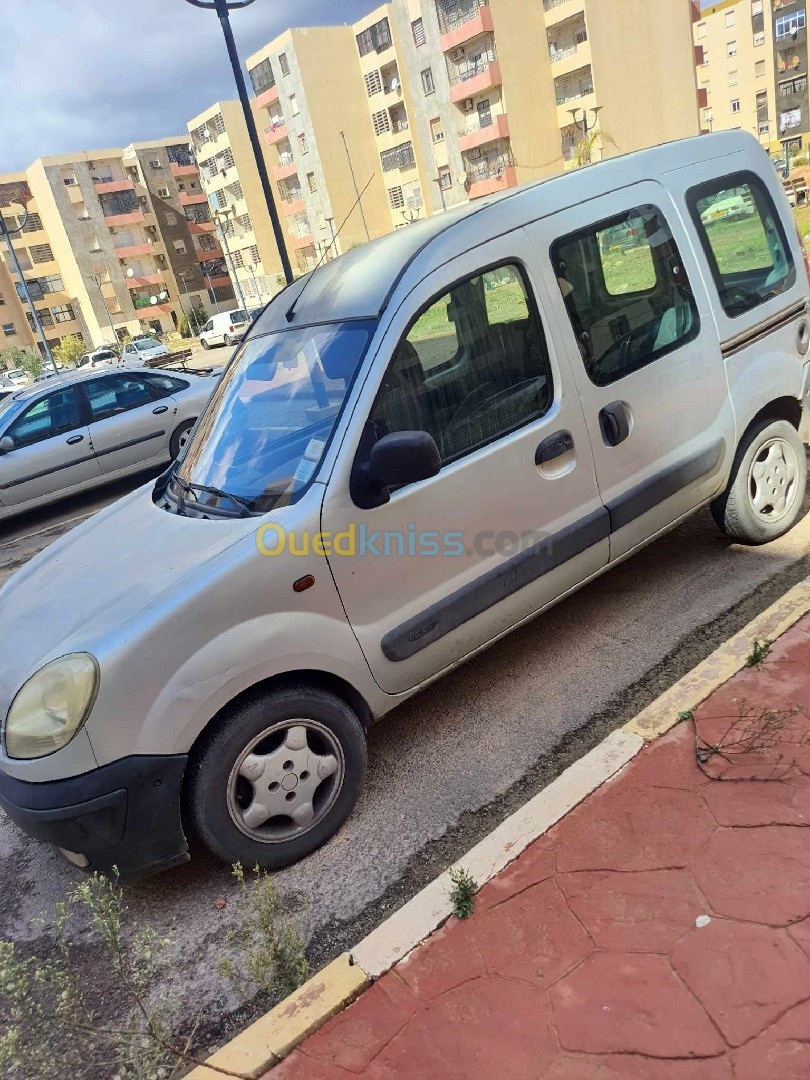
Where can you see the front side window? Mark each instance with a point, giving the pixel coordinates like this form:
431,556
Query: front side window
744,241
626,293
268,424
54,415
163,385
114,394
472,368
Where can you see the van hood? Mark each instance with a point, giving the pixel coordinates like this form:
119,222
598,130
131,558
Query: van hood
97,577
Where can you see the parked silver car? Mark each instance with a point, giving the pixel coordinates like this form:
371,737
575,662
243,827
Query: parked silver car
87,428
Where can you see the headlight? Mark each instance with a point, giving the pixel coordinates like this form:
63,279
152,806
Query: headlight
51,707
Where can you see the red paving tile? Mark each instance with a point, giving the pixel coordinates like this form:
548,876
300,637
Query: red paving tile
589,958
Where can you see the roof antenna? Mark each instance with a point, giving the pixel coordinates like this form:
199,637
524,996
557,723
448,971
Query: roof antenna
291,311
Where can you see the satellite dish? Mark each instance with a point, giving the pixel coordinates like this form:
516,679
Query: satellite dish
164,295
152,299
462,177
130,272
395,84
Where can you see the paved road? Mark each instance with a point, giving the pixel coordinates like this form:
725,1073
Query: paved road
447,766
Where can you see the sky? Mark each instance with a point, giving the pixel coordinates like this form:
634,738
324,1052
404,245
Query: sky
88,74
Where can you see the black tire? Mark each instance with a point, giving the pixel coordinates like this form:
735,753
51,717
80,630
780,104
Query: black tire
734,511
209,777
205,345
178,437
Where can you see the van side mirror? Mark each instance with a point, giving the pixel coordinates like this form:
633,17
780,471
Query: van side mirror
6,444
405,457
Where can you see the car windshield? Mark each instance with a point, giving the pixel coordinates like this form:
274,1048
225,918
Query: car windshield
7,401
272,415
144,346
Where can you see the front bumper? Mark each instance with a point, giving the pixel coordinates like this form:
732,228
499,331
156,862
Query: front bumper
124,815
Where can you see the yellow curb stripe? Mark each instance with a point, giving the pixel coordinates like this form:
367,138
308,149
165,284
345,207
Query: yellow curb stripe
723,664
278,1032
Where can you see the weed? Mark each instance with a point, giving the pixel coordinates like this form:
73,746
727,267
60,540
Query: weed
462,894
752,730
267,949
760,650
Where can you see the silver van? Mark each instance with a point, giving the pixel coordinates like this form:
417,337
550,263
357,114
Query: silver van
418,447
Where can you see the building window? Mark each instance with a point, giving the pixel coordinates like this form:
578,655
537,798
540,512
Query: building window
373,83
180,246
40,253
427,81
375,38
789,120
294,110
171,219
437,129
733,78
2,300
33,224
701,31
163,192
786,25
262,77
731,48
63,313
396,200
759,39
705,57
730,19
759,69
282,63
381,122
445,180
303,145
244,222
757,7
735,105
313,183
9,329
399,157
418,28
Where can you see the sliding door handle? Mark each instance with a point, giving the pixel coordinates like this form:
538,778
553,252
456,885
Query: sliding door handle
614,423
554,447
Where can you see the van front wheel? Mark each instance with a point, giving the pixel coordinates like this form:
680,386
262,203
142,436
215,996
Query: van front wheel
277,777
768,481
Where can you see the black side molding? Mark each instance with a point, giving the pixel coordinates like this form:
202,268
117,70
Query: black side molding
645,496
762,329
491,588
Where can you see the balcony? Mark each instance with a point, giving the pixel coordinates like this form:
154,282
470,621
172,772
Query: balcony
132,251
197,227
294,206
489,181
145,279
267,97
116,221
557,11
191,198
703,98
183,170
219,282
478,134
109,187
463,22
275,133
475,80
285,170
298,242
207,256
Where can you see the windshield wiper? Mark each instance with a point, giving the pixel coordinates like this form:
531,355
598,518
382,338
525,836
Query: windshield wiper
197,489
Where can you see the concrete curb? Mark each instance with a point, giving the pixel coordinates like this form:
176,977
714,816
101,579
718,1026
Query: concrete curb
273,1036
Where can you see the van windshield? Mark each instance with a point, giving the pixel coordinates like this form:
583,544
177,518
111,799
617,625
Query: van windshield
270,419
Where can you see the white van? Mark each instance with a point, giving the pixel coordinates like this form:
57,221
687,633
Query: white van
226,328
419,446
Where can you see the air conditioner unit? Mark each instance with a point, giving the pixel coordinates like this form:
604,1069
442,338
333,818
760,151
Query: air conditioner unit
467,105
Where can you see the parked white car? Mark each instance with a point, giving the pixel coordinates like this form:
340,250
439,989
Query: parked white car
99,358
226,328
419,447
16,377
143,350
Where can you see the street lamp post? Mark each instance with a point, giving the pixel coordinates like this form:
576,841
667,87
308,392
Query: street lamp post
192,314
7,234
97,284
438,180
222,7
410,215
583,127
226,213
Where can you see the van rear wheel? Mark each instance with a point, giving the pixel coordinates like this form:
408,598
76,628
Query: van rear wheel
768,482
277,777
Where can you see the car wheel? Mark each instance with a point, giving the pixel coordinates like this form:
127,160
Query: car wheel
180,437
276,777
205,344
768,481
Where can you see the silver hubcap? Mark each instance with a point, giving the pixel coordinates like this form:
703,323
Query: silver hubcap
181,442
285,781
772,482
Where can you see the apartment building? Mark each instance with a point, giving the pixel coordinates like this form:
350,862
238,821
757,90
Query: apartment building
107,250
230,215
312,110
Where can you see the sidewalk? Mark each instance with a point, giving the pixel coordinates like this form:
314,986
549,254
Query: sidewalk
660,931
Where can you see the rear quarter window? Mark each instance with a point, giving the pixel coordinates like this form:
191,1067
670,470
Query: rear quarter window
744,241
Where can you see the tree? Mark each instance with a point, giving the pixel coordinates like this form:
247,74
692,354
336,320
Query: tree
586,146
69,351
28,359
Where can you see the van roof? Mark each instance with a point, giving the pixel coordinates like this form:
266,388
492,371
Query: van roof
359,284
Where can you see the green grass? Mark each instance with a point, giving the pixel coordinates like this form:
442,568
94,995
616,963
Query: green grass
802,215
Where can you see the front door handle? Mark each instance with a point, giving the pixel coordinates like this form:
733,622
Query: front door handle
75,439
162,409
554,447
614,423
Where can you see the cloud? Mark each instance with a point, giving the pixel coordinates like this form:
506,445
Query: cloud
88,74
